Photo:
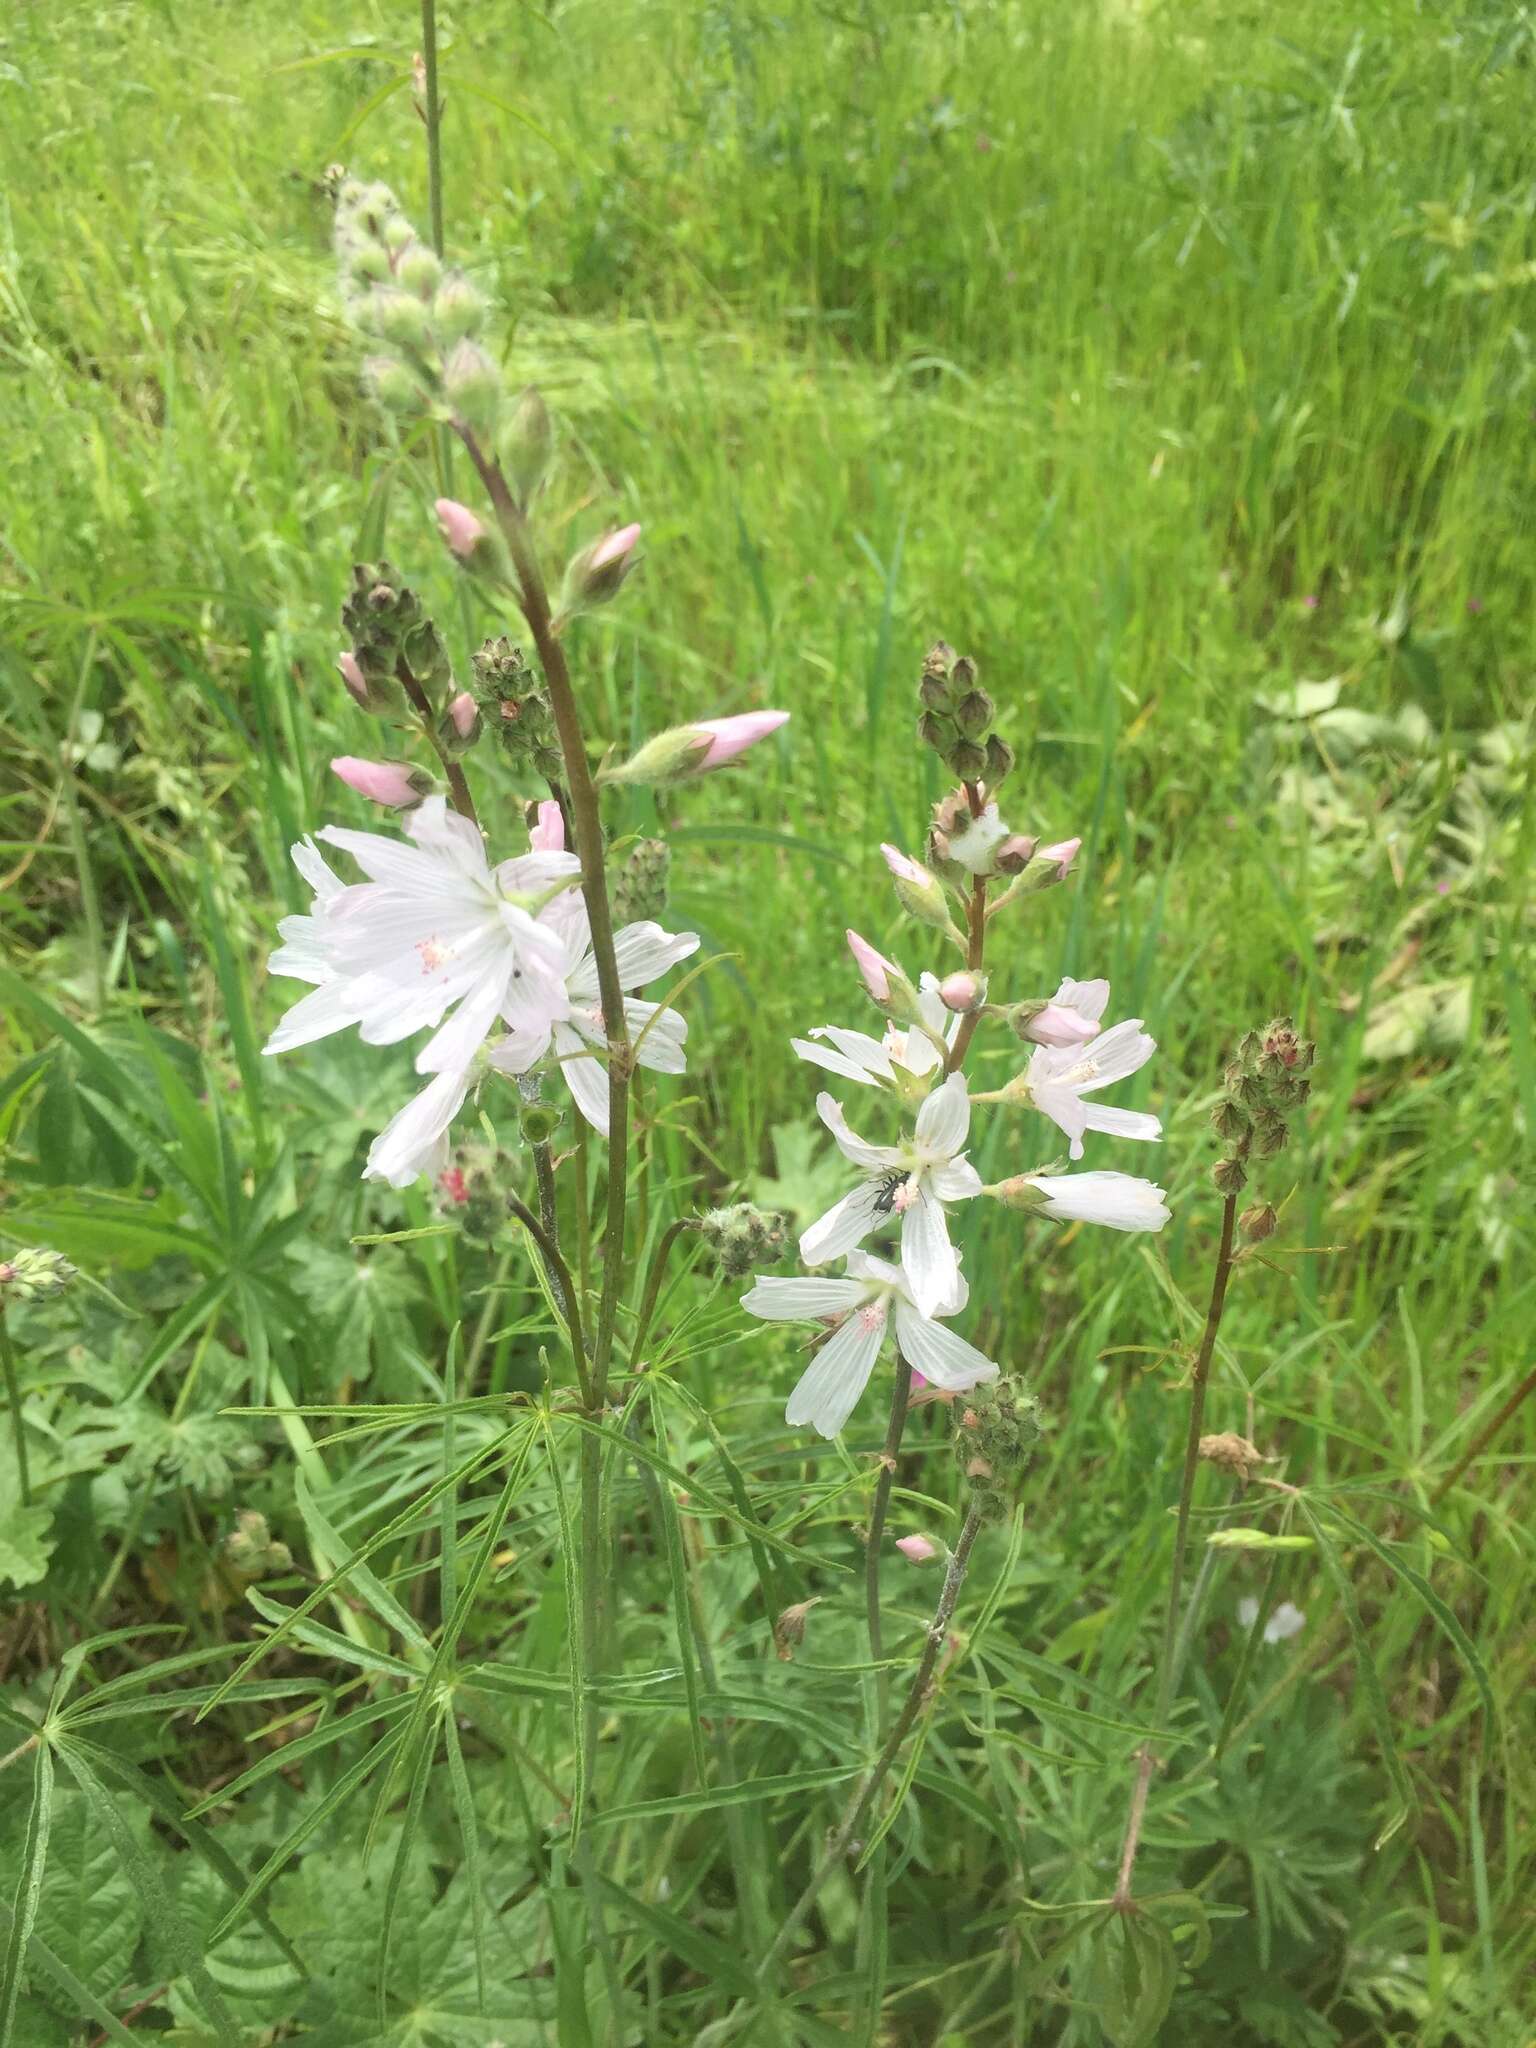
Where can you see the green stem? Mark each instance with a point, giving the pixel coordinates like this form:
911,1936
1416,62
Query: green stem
857,1811
1168,1661
13,1400
653,1280
586,818
432,116
901,1396
560,1283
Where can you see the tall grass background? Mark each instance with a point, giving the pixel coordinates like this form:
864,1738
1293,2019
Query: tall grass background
1177,363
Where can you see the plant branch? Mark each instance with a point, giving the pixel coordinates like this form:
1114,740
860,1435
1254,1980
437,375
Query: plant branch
13,1401
1169,1658
653,1280
901,1396
458,786
564,1292
1485,1437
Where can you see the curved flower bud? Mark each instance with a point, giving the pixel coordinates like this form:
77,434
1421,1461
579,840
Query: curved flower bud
689,750
963,992
598,572
394,784
918,1549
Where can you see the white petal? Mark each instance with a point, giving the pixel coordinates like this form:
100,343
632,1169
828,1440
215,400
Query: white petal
845,1225
643,951
456,1042
927,1256
939,1354
1088,998
832,1383
1123,1123
818,1056
1065,1109
956,1182
865,1052
316,870
519,1051
314,1016
662,1050
878,1272
442,832
801,1301
587,1078
944,1118
530,874
849,1143
1115,1053
1119,1200
413,1142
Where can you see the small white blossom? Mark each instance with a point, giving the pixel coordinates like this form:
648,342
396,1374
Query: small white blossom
872,1062
1286,1621
1060,1078
874,1304
1119,1200
912,1180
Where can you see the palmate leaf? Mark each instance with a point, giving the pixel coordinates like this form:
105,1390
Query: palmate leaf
26,1533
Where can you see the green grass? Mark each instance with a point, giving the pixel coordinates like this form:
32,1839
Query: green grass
1170,361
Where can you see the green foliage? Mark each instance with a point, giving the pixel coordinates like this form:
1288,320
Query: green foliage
1175,361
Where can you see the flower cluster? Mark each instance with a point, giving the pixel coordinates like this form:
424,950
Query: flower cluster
436,936
907,1187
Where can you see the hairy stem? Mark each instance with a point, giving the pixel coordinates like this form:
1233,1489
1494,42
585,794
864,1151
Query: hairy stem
458,786
901,1395
432,118
858,1809
653,1280
1168,1660
1485,1436
13,1401
586,819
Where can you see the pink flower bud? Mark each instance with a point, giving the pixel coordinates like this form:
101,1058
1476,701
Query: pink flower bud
904,868
1063,853
613,547
874,968
1015,854
729,737
917,1549
1057,1025
392,783
548,835
352,675
460,528
463,711
962,992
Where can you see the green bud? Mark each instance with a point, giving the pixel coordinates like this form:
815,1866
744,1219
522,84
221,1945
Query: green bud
1229,1121
996,1429
472,385
1230,1176
528,445
538,1122
640,886
744,1237
967,759
933,693
251,1549
1258,1223
962,675
596,574
419,271
34,1274
388,380
458,311
999,761
670,757
973,714
400,319
935,731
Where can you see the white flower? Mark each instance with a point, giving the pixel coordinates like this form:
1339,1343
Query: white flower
433,929
1117,1199
974,841
912,1180
1060,1077
872,1062
575,1022
872,1304
1286,1621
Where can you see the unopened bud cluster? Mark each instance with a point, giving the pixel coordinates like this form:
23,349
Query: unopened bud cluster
252,1550
516,710
639,884
1264,1082
744,1237
33,1274
389,630
957,716
997,1428
427,321
1232,1453
471,1190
